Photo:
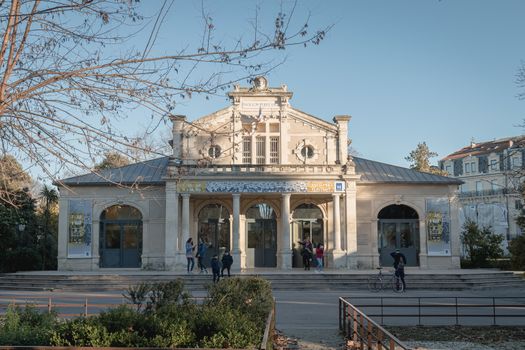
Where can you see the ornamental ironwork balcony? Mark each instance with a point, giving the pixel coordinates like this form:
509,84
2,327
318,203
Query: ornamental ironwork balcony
488,193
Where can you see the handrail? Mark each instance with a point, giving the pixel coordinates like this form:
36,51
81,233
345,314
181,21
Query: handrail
362,332
268,329
492,308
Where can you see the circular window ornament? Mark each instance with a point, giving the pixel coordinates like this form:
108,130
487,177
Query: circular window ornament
307,152
214,151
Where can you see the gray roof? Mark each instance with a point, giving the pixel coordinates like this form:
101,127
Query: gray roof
151,172
376,172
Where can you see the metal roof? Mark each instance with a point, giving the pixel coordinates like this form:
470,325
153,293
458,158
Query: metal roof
377,172
150,172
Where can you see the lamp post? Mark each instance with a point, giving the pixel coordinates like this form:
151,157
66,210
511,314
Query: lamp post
41,237
20,229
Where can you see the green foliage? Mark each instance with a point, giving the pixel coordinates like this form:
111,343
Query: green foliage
81,332
480,244
420,160
251,296
517,253
112,160
153,296
221,327
26,326
233,316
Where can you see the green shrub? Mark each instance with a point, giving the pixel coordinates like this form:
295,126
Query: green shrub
249,296
174,334
221,327
81,332
481,245
121,317
26,326
152,296
517,253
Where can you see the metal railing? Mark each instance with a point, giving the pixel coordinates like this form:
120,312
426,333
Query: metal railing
449,310
64,306
489,192
362,332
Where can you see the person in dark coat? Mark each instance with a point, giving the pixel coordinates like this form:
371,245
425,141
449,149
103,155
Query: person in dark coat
400,261
215,268
227,262
201,254
307,252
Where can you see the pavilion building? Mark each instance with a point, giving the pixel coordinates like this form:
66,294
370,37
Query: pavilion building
255,178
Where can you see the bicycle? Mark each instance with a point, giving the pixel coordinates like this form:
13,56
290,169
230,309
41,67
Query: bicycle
377,283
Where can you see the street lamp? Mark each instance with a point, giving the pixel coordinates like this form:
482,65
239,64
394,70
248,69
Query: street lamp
19,230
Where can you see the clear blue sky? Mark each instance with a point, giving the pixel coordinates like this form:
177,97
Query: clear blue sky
407,71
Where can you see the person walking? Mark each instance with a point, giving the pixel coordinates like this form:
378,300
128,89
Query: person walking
307,252
215,268
400,261
190,247
202,248
227,262
319,254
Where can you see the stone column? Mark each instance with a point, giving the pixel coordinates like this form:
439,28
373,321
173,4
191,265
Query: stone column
423,257
351,225
63,230
95,244
171,232
374,246
338,253
185,219
236,251
285,254
455,231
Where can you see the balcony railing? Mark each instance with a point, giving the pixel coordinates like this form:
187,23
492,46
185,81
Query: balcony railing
488,193
228,169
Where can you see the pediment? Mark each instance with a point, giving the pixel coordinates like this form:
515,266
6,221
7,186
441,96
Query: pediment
214,122
312,121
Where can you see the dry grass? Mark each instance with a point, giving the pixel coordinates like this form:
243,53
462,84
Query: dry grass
480,335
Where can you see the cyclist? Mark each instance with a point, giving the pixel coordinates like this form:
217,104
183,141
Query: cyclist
400,261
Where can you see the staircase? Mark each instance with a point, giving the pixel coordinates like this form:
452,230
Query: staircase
119,281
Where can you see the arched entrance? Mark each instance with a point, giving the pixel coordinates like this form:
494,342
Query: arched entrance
214,229
398,228
120,237
307,223
261,230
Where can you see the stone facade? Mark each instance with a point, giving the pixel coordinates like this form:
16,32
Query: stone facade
255,178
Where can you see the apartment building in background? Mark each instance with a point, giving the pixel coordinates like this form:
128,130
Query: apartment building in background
493,173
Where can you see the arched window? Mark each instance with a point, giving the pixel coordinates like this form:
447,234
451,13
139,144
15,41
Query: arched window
214,230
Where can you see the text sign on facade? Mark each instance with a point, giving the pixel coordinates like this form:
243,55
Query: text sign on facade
261,186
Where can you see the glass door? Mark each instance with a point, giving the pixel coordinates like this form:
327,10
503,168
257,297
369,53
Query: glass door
301,230
262,242
402,235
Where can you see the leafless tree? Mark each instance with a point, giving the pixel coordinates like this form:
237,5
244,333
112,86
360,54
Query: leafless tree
64,89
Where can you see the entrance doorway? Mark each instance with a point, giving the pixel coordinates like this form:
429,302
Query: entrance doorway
398,229
307,223
120,237
261,230
214,230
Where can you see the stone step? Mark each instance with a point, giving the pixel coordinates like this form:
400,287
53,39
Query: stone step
284,281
